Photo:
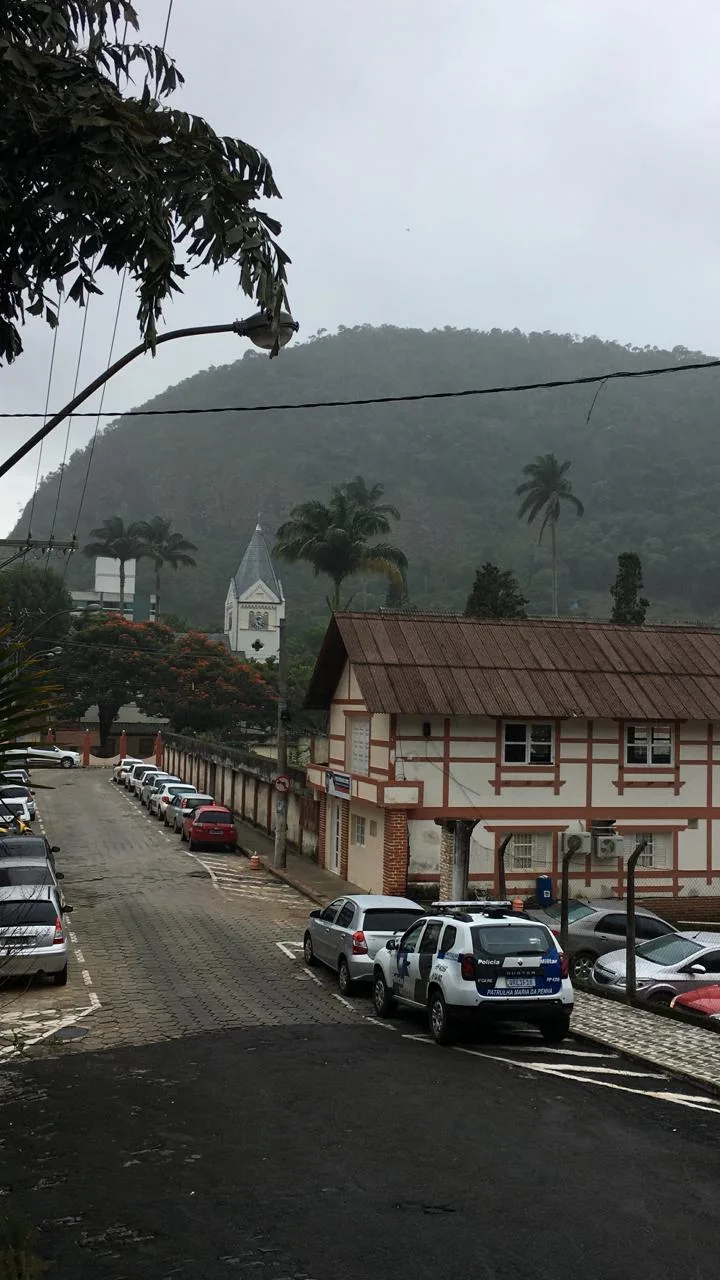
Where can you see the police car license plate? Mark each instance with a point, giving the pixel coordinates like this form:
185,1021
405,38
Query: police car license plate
521,984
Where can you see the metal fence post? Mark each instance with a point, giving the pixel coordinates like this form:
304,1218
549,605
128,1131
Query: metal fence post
502,884
630,958
573,845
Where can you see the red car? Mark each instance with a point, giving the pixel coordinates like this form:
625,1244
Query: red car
210,824
703,1000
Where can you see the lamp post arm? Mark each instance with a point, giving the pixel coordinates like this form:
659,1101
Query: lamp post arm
236,326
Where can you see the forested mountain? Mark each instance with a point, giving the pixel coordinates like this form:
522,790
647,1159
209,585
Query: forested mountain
647,467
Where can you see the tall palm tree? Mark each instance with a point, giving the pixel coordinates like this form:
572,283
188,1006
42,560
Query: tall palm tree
545,490
164,547
334,538
120,542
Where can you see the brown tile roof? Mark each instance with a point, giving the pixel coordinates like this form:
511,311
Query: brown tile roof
445,664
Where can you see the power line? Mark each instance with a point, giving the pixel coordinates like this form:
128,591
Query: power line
548,385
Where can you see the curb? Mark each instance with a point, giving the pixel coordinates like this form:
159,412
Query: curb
298,885
713,1086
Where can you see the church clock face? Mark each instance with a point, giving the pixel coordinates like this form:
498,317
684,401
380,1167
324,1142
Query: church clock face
258,620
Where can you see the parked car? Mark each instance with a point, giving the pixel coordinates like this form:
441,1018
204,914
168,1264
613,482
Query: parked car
703,1000
347,935
210,824
665,967
16,791
62,757
596,927
153,780
123,766
137,775
28,870
15,808
32,934
161,797
16,845
181,805
476,962
15,775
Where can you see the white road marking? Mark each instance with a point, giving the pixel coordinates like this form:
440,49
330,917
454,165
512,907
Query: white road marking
79,956
72,937
286,950
347,1003
311,975
86,978
378,1022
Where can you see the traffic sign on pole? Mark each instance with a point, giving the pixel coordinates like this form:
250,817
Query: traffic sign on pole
282,783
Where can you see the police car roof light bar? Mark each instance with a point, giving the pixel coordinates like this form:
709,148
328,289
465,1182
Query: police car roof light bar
475,904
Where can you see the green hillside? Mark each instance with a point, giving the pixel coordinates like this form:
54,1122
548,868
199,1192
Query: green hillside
647,467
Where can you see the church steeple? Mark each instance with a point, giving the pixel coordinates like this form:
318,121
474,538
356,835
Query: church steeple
255,603
257,566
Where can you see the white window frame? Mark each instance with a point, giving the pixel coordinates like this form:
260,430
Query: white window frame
531,851
657,856
650,730
360,746
359,829
529,726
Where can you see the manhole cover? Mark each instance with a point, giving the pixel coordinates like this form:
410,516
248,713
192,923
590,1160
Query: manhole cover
72,1033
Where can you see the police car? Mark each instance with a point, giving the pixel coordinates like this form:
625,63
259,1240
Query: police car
476,961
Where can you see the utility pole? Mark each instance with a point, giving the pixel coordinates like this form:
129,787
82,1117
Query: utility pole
281,805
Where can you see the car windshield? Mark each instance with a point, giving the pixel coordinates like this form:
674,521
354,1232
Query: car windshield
576,911
215,818
389,919
26,912
31,874
669,949
177,788
17,846
511,940
11,793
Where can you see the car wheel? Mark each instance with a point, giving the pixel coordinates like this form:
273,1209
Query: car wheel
345,982
60,979
554,1030
581,966
66,763
308,953
191,846
438,1018
382,999
663,998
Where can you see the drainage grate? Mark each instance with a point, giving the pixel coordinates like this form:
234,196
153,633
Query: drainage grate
71,1033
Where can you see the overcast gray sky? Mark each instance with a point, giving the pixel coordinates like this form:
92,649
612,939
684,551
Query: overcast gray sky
545,164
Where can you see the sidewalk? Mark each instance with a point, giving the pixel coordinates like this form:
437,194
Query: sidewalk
687,1051
317,884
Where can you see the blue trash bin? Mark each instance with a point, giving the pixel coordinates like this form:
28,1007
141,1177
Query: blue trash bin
544,891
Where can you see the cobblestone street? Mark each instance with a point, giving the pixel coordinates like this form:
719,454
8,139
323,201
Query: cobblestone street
166,943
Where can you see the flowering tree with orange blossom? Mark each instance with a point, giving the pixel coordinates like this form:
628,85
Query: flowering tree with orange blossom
202,688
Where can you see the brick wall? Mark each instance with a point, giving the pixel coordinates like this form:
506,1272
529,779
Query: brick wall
322,831
395,852
344,837
685,910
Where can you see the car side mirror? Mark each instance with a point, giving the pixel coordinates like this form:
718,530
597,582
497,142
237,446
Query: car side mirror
67,910
59,875
391,944
698,968
314,914
54,848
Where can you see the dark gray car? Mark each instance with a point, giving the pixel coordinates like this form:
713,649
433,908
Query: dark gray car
598,927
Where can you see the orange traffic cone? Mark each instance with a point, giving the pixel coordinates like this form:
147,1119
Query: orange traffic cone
254,862
518,904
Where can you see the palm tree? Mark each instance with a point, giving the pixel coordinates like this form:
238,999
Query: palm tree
119,542
165,548
334,538
545,490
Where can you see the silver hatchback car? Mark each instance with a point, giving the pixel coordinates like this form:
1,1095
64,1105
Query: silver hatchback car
347,935
665,966
32,934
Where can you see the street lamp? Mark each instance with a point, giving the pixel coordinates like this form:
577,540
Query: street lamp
263,331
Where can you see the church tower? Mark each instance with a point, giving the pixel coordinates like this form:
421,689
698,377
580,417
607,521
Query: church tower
255,604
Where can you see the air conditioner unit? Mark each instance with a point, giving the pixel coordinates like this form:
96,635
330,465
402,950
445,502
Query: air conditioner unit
576,842
611,846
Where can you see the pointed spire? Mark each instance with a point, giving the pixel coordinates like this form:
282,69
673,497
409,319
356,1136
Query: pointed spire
257,566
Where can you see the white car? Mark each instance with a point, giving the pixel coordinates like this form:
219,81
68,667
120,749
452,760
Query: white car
15,807
160,798
16,791
123,767
61,756
475,961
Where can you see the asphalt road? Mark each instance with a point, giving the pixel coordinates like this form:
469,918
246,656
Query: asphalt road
317,1143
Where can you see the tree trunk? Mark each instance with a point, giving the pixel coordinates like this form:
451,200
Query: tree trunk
553,552
157,593
122,588
107,712
335,598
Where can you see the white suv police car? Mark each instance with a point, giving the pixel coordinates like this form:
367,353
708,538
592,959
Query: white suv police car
476,961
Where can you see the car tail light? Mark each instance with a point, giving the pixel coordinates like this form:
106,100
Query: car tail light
564,968
59,936
359,945
467,968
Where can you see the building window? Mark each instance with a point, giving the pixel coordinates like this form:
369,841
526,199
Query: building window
359,744
659,848
648,744
528,744
531,851
358,829
229,622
